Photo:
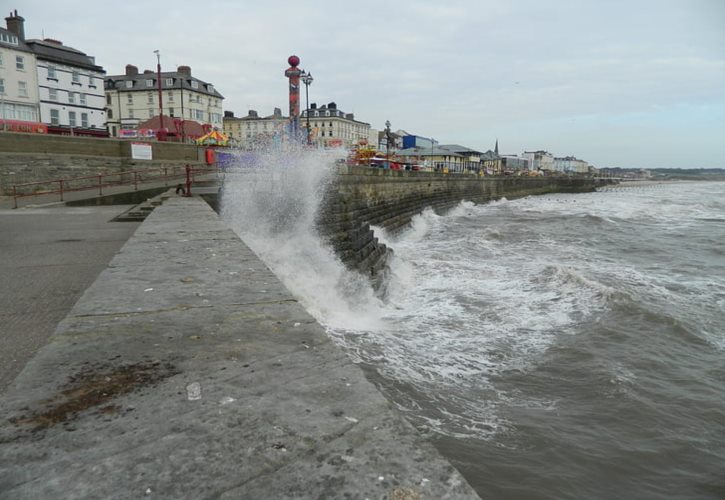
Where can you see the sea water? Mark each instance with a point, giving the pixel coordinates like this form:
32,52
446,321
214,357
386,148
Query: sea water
557,346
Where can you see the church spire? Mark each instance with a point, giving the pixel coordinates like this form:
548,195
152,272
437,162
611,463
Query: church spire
495,149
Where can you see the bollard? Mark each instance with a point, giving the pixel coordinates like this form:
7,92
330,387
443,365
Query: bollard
15,196
188,181
61,189
100,185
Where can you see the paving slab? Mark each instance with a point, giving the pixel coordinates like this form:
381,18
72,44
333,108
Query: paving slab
187,370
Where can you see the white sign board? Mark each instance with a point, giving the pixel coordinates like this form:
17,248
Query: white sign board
141,151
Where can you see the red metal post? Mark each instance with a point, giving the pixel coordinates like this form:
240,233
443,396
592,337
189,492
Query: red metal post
161,101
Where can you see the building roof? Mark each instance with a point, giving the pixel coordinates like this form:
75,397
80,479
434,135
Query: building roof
181,79
254,116
457,148
191,128
434,151
55,51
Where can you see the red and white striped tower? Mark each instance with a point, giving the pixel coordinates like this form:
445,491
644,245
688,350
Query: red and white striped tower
293,73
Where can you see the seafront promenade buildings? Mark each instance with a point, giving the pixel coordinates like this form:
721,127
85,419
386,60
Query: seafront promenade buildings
248,132
44,81
70,86
19,99
133,97
332,127
329,128
571,164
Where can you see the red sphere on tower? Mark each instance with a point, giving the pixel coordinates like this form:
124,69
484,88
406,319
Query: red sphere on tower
293,61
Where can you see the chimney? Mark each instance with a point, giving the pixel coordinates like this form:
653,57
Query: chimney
16,25
185,70
227,114
148,72
313,105
253,114
332,105
131,70
350,116
277,112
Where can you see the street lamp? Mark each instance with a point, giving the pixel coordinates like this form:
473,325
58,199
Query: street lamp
161,101
307,80
387,143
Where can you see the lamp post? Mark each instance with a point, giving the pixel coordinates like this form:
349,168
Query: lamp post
387,143
432,143
307,80
161,101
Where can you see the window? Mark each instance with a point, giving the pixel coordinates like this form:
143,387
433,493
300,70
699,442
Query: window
210,88
171,112
71,97
171,96
130,113
1,60
91,81
129,98
8,38
76,76
53,94
169,82
83,99
129,84
2,86
149,97
149,83
110,113
51,72
20,63
108,99
72,118
84,120
327,113
23,89
54,117
194,84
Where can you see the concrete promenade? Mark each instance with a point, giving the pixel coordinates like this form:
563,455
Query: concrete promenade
187,370
50,255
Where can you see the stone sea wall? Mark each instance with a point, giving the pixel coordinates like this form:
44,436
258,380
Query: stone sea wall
360,197
36,157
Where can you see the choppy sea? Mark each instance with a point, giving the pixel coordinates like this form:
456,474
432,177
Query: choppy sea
563,346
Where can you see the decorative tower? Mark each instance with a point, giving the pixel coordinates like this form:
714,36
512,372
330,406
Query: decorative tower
293,73
495,149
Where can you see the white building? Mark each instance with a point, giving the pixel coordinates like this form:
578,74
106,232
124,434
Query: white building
571,164
70,87
539,160
18,75
330,127
133,97
253,130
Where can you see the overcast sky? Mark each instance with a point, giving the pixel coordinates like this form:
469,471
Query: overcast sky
633,83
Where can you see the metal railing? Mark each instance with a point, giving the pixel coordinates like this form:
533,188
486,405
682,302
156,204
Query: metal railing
108,180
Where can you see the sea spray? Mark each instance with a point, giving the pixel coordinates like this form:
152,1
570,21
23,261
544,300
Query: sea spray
273,203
